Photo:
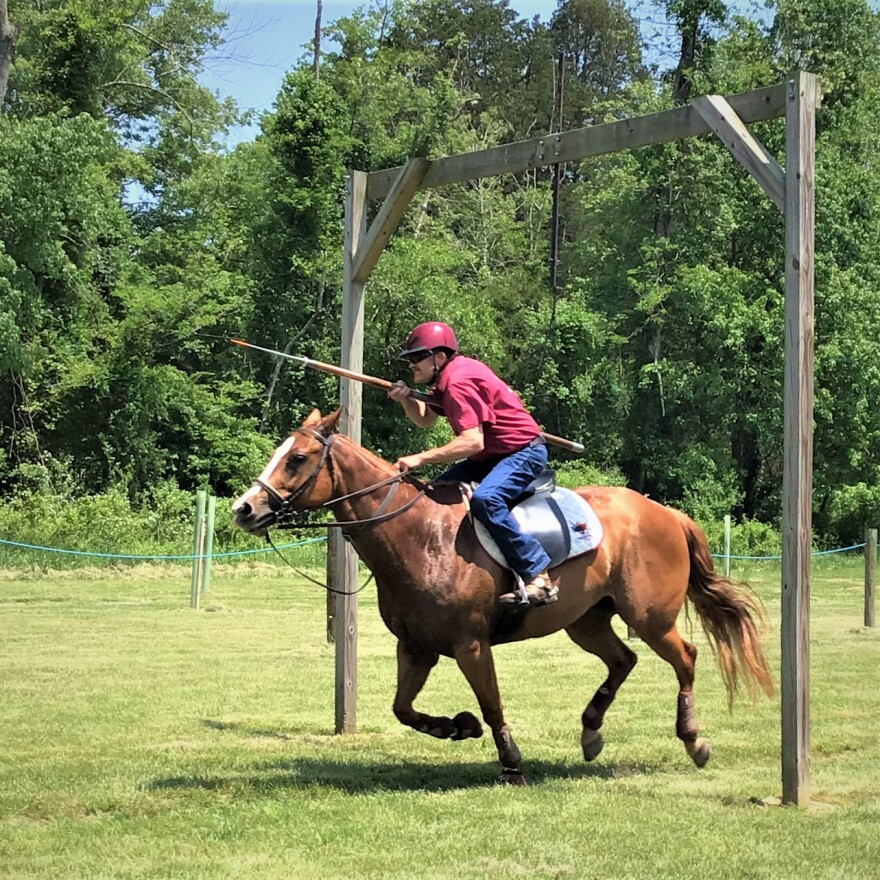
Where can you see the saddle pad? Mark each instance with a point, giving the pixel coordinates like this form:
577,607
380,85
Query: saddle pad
563,523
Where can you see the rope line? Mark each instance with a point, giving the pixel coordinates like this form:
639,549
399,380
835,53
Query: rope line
816,553
231,553
147,556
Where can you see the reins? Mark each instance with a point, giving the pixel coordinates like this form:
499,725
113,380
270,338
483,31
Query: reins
301,573
282,507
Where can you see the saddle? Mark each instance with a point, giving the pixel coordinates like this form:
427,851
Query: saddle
562,522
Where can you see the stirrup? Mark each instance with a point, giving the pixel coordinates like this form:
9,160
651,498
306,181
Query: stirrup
540,591
544,591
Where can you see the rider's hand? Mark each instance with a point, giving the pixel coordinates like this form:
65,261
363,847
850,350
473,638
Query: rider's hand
409,462
399,391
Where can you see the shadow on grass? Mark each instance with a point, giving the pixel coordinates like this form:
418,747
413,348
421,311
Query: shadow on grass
356,774
287,732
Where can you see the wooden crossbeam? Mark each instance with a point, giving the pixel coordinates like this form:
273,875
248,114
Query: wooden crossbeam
596,140
390,214
743,145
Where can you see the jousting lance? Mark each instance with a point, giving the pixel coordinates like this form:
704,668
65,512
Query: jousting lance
384,384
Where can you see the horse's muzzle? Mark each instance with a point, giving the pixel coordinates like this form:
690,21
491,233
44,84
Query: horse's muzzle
250,520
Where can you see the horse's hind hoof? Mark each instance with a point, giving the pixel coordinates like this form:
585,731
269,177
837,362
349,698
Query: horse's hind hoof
512,777
592,744
700,751
467,726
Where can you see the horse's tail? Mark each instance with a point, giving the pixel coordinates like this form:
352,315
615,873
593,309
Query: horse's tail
732,617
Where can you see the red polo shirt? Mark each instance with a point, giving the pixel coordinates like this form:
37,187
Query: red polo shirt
471,395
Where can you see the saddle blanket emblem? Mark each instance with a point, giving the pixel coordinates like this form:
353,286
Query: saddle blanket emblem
564,524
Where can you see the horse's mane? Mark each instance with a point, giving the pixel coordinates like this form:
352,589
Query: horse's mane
441,493
377,461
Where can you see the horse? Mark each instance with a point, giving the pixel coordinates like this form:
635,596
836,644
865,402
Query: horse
438,588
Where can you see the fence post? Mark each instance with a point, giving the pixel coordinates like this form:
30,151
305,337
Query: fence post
870,579
208,543
727,546
198,540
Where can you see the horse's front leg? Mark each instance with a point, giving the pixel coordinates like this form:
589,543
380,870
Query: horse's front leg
474,658
413,668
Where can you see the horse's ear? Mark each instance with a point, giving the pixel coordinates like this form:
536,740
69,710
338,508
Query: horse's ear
313,419
329,423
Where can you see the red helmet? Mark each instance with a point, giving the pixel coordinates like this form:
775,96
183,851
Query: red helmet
430,336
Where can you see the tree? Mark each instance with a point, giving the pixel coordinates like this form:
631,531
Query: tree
8,37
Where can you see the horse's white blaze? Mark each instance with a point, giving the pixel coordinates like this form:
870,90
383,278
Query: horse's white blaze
280,453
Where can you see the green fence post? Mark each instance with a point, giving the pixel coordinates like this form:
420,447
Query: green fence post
209,543
870,567
727,546
198,540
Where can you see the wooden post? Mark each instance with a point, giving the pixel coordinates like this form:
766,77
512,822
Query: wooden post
727,546
345,568
198,541
870,578
208,543
797,480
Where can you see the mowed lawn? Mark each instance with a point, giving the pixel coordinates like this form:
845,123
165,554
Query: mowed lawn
141,739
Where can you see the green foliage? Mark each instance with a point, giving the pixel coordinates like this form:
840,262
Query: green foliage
850,510
132,247
107,530
748,538
574,474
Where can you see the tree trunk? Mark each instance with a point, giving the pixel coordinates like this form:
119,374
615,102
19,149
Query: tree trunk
8,36
316,42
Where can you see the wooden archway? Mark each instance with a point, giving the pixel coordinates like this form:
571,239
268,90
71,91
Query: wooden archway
792,191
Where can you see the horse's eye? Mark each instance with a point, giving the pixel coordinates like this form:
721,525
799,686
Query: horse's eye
294,460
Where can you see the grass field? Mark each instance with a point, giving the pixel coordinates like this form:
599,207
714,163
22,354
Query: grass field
140,739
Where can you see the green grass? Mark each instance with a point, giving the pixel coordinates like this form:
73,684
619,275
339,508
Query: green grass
140,739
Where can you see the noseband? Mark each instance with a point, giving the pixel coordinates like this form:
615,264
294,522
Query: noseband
282,505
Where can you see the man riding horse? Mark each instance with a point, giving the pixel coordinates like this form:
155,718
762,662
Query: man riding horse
497,444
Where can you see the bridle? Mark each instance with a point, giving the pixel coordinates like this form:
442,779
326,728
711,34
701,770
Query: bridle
282,505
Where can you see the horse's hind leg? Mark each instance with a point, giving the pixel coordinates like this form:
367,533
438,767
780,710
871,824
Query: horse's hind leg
474,658
682,656
413,668
593,633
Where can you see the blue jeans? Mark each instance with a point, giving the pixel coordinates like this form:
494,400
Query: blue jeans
501,482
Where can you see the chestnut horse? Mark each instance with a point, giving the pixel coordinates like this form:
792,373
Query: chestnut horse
438,589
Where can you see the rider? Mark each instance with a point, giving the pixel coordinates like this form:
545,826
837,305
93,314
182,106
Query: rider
499,441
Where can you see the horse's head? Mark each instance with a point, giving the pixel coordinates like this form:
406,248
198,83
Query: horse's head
296,477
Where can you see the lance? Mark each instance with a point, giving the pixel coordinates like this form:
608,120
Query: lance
333,370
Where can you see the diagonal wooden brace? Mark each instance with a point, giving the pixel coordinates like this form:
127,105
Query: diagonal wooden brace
743,145
390,214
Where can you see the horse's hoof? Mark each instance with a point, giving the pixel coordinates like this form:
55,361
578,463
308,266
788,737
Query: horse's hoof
700,751
592,744
512,777
467,726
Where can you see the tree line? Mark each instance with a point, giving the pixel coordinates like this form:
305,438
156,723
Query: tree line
133,243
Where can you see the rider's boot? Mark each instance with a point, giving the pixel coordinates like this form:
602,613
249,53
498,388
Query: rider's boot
540,590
